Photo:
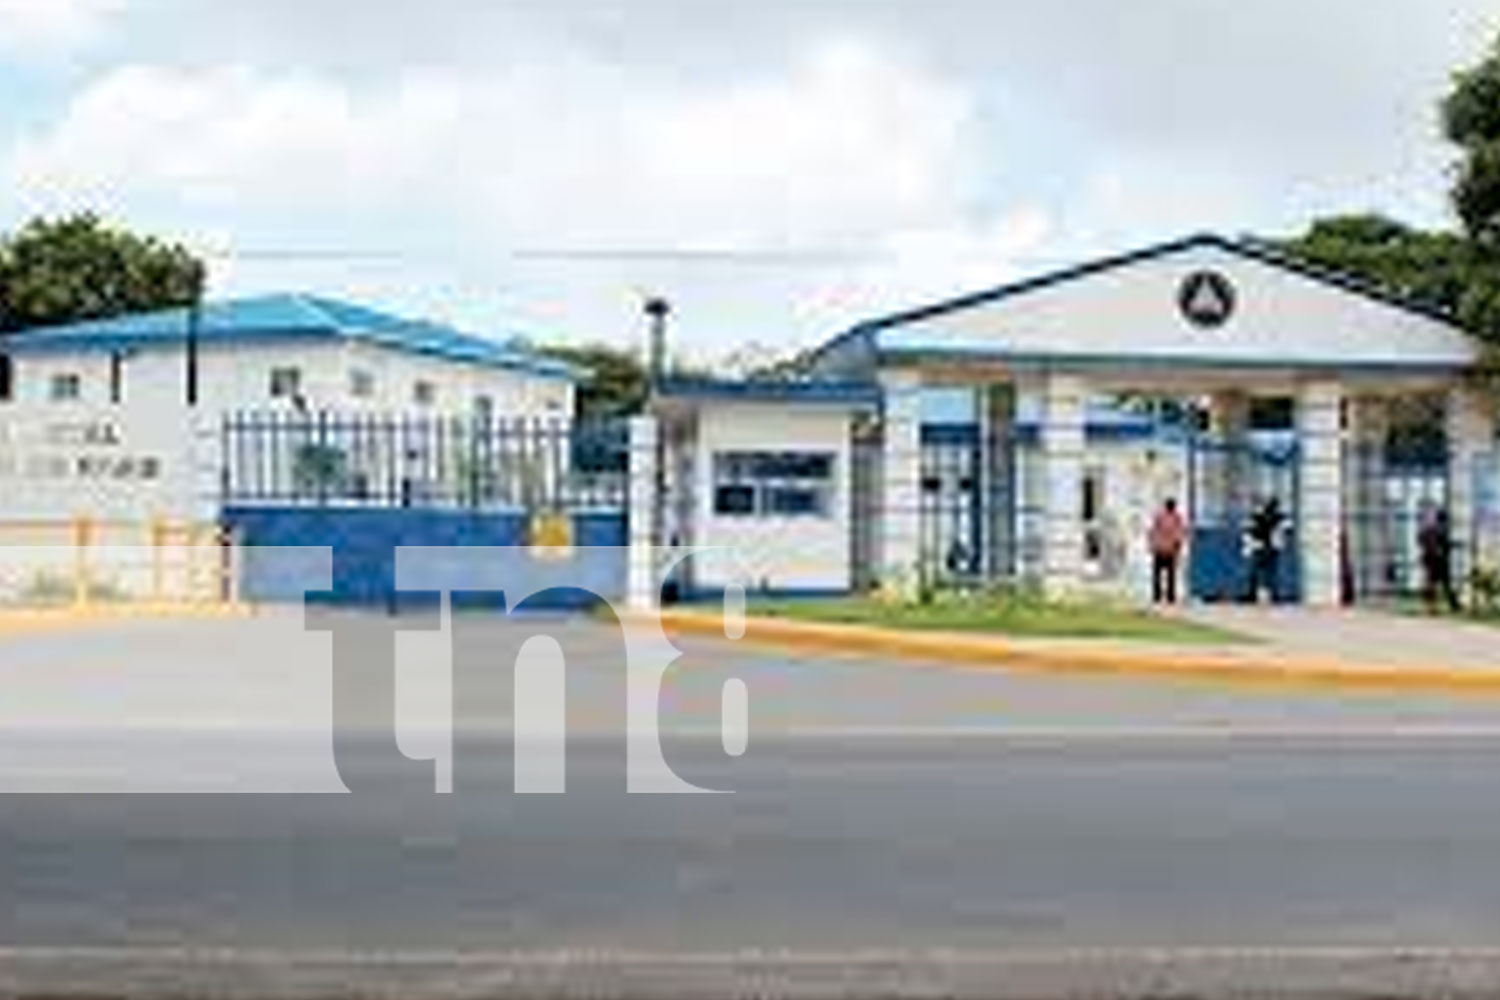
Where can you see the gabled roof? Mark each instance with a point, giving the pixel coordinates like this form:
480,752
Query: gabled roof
290,316
1245,248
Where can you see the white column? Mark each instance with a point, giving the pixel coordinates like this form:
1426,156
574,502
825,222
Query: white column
1321,501
1470,428
1231,423
900,540
1061,467
1366,506
997,411
643,584
204,461
1031,500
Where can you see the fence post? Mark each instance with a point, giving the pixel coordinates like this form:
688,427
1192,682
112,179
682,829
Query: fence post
643,588
229,569
83,531
158,560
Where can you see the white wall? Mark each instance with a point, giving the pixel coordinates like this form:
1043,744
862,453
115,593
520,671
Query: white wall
237,377
151,456
783,553
513,393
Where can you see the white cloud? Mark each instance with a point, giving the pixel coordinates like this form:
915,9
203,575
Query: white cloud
843,146
48,27
845,149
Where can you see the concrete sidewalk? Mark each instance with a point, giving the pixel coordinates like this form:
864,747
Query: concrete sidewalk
20,620
1374,638
1298,646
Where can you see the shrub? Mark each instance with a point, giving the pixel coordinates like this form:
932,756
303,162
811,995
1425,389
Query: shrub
318,470
1484,583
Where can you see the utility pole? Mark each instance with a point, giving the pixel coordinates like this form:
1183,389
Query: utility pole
194,324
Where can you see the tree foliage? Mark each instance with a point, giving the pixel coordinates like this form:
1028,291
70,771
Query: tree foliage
615,383
79,268
1471,121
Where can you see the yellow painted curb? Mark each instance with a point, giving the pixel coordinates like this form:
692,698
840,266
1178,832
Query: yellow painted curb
23,621
1082,657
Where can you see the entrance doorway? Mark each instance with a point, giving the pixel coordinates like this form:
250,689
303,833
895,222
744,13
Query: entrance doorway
1229,480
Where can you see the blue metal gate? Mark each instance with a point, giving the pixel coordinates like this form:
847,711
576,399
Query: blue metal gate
1228,481
365,486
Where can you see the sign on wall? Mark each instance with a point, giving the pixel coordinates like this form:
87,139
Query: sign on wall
89,450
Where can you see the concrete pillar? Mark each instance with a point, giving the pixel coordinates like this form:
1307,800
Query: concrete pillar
1031,500
1231,425
900,537
1470,424
1321,493
997,413
643,583
1064,398
1371,530
205,460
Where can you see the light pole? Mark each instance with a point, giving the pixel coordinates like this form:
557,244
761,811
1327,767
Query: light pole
658,309
194,323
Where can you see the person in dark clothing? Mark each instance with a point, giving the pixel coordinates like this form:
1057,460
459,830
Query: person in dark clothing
1435,541
1264,537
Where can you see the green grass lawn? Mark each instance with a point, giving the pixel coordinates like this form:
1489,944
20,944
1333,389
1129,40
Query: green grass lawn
1414,608
1001,614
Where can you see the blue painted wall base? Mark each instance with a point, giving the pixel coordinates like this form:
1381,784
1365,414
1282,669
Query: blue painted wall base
282,546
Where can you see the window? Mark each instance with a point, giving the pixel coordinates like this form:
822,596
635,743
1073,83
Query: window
361,383
66,387
734,501
790,484
1093,494
484,409
423,393
1092,509
116,377
286,383
7,379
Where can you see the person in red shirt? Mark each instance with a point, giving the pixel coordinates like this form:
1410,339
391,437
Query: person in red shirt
1167,540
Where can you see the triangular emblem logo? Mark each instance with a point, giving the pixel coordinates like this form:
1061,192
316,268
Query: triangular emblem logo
1206,299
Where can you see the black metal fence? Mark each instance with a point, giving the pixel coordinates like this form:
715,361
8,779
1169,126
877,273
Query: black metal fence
386,460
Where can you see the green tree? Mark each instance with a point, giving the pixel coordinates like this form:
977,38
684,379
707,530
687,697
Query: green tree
1471,121
615,382
79,268
1435,269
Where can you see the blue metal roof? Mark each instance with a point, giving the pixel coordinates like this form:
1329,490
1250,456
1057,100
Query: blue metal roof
288,316
758,390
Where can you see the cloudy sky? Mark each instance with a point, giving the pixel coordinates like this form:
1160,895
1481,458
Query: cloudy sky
779,169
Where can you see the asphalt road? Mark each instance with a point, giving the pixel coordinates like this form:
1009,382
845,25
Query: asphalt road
892,828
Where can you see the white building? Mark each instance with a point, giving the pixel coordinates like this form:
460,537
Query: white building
855,476
111,419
